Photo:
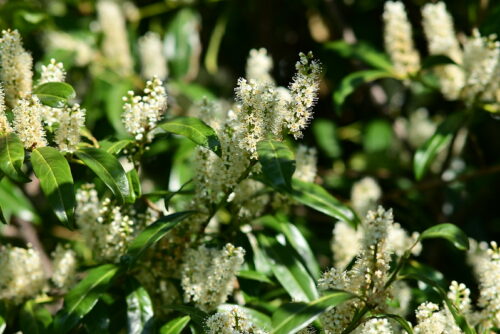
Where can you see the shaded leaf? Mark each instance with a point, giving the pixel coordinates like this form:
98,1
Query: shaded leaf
439,140
196,315
56,181
277,162
135,184
175,326
83,297
449,232
195,130
55,94
139,309
435,60
316,197
34,319
12,157
290,272
152,234
108,169
363,52
292,317
353,81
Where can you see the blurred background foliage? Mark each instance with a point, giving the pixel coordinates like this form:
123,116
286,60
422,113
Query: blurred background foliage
207,43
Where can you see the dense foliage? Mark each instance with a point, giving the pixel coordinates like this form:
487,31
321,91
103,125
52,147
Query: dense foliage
249,167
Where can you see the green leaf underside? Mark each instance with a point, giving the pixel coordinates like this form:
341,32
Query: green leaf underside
290,272
316,197
195,130
449,232
292,317
439,140
56,181
12,157
353,81
278,164
55,94
152,234
108,169
83,297
175,326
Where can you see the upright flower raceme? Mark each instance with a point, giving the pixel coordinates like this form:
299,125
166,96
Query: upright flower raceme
71,120
4,122
208,275
232,321
28,122
16,67
153,61
65,266
259,64
399,40
442,40
142,113
52,72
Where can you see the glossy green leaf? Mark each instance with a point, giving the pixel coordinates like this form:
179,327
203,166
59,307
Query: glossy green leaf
175,326
195,130
289,271
152,234
34,319
3,325
108,169
436,60
278,163
15,202
439,140
83,297
316,197
300,244
353,81
12,157
449,232
262,263
135,184
197,316
292,317
114,147
400,320
56,181
254,276
182,44
363,52
139,309
55,94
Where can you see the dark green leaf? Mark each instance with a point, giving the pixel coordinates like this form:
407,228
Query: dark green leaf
195,130
363,52
289,271
292,317
139,309
34,319
12,157
56,181
15,202
325,133
108,169
402,322
449,232
439,140
196,315
277,162
114,147
83,297
175,326
55,94
135,183
152,234
262,263
2,217
436,60
353,81
300,244
318,198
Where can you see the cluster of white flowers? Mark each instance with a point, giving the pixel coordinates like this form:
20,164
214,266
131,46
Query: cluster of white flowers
399,40
106,229
306,160
233,321
115,44
84,53
153,61
52,72
28,122
71,120
65,265
22,273
489,285
375,326
433,320
16,67
365,195
4,122
142,113
207,274
259,65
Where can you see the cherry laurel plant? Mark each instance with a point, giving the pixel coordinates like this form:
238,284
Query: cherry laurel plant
216,250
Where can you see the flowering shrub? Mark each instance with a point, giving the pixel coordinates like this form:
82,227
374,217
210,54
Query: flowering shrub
144,192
